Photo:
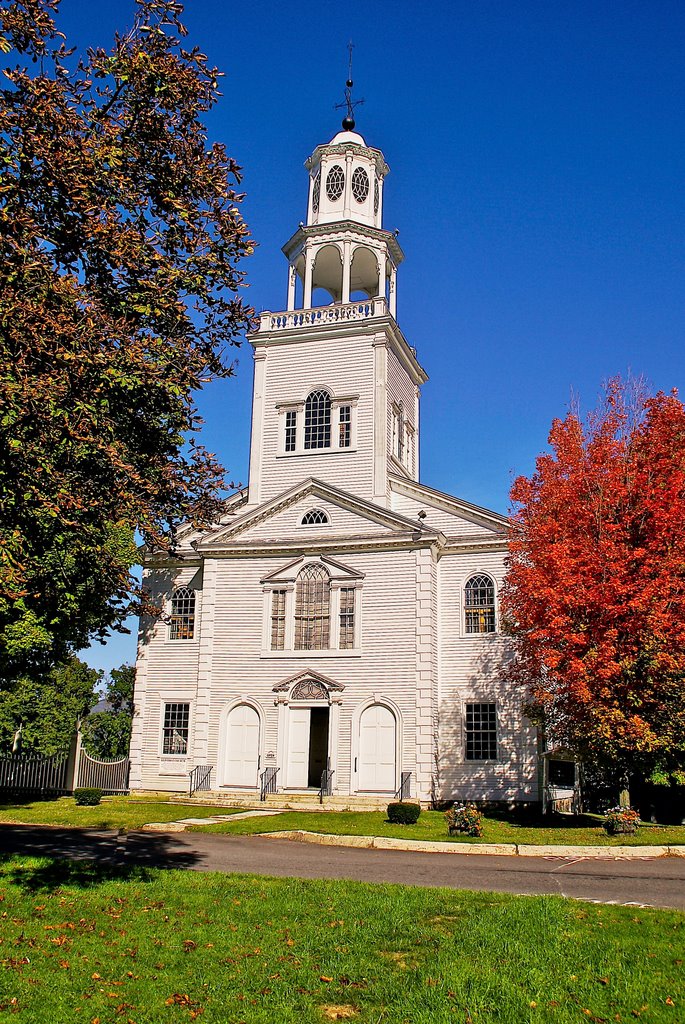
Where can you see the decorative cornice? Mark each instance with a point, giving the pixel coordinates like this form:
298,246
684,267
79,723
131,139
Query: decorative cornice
345,228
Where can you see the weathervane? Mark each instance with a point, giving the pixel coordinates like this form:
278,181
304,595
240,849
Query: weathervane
349,103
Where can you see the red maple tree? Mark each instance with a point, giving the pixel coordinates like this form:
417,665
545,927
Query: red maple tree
595,593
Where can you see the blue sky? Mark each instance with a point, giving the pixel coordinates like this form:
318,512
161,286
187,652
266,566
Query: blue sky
537,160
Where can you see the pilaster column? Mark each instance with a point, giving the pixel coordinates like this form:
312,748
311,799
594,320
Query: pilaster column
348,186
292,281
308,273
380,422
257,425
393,293
380,262
347,270
417,395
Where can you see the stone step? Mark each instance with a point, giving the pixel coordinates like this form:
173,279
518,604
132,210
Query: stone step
287,801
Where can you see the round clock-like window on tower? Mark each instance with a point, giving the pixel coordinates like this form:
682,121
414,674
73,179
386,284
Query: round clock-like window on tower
376,196
335,182
360,184
316,192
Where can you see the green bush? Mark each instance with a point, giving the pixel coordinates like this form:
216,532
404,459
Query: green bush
87,797
403,814
465,820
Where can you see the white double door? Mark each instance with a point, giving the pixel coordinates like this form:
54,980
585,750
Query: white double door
241,763
377,750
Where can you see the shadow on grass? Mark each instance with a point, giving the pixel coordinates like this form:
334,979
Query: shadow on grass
81,858
535,819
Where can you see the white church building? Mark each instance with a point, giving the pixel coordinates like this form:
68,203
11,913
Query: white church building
337,632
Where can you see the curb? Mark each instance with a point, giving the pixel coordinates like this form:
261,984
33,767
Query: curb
491,849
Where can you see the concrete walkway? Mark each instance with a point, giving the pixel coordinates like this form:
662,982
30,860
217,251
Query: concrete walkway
182,823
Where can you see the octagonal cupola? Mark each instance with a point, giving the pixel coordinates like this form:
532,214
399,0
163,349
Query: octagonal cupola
342,254
346,181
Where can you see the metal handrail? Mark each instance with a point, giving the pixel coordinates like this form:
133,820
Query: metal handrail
326,787
200,778
267,782
404,792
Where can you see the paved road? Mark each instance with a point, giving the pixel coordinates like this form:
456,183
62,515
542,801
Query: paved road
659,882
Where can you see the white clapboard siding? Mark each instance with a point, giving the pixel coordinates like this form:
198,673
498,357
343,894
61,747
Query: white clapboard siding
471,669
386,667
292,371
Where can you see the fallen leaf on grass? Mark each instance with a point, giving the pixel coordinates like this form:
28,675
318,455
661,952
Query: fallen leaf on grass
344,1012
324,977
179,999
669,1001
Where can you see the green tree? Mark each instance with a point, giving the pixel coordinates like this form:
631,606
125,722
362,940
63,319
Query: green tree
46,711
120,245
108,733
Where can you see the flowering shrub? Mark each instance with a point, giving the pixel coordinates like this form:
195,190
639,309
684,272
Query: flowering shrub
621,821
465,820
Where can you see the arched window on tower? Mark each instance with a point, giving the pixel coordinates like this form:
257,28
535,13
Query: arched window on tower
182,620
317,420
479,604
312,608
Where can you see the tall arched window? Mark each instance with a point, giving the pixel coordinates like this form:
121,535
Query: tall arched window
479,604
317,420
312,609
182,621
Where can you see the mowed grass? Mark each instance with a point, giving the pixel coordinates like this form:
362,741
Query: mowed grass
114,812
175,946
584,830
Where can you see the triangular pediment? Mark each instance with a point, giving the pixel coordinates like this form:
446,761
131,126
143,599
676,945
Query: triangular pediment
281,519
308,676
288,573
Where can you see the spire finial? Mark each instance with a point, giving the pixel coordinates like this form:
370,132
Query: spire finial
349,103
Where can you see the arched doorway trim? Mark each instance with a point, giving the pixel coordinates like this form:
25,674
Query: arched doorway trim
222,751
390,705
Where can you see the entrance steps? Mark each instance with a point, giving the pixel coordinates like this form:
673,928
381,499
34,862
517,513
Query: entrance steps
302,801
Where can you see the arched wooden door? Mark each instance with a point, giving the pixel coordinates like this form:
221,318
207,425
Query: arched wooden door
377,750
241,763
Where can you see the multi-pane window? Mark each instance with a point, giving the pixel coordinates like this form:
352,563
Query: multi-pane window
481,732
317,420
315,517
290,430
175,729
346,618
479,604
312,609
182,620
278,620
345,437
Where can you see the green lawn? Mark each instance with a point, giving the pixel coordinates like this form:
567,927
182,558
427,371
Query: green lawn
175,946
114,812
583,831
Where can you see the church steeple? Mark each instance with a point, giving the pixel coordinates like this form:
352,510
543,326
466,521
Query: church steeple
336,385
342,250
